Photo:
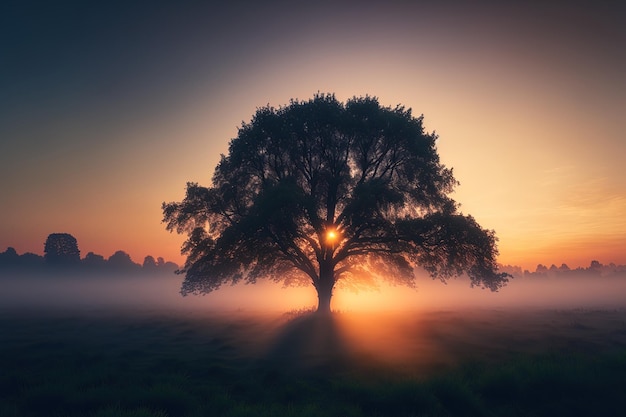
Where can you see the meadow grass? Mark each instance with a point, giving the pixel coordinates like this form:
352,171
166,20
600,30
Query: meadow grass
100,366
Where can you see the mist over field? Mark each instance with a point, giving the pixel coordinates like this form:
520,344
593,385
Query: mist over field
161,292
125,345
432,324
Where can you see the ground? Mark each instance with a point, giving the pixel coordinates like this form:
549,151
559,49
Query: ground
483,362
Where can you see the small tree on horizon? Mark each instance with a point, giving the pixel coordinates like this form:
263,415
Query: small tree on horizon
149,263
61,249
121,260
320,192
94,260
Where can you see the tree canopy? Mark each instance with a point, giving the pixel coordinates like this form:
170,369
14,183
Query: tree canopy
61,249
323,192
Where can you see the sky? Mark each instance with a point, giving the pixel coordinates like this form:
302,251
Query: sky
107,109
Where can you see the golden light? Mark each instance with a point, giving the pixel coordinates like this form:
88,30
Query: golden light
332,235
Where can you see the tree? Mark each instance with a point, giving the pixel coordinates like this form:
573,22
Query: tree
149,263
120,260
323,192
94,261
61,249
158,265
9,257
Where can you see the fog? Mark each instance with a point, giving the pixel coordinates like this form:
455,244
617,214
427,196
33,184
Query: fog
408,330
142,293
161,293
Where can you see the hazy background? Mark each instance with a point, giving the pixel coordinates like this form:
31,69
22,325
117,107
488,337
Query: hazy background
108,108
160,294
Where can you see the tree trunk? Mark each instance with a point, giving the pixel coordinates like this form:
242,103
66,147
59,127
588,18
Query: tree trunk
325,288
323,298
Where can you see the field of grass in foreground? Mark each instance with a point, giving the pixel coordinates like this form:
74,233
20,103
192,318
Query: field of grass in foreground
466,363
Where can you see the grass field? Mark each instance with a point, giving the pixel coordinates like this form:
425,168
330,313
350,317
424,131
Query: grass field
475,362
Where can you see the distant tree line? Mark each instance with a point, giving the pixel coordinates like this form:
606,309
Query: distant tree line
595,269
61,253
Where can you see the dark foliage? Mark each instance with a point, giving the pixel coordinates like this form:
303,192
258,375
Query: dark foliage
121,260
62,256
93,260
61,249
10,259
323,192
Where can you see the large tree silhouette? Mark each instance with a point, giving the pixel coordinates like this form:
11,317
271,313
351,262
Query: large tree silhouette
323,192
